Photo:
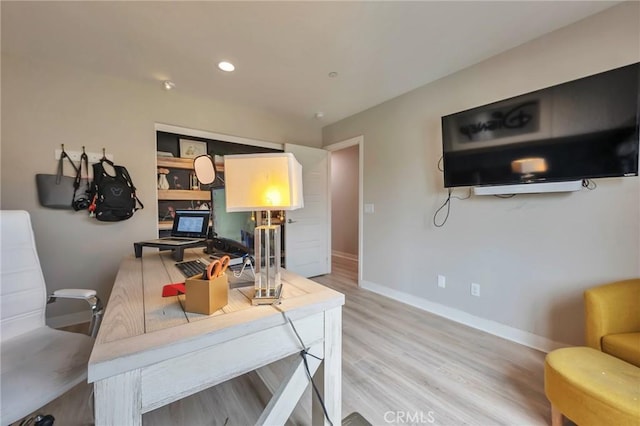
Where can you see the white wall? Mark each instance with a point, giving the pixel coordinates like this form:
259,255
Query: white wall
344,200
533,254
44,105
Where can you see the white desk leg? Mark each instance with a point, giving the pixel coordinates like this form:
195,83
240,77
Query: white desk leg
328,377
286,397
118,400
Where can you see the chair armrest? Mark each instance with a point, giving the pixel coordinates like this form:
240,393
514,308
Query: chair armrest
610,309
90,296
74,293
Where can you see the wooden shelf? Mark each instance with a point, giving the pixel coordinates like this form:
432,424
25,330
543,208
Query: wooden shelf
165,225
183,194
180,194
182,163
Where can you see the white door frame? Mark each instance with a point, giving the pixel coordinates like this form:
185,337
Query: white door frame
358,140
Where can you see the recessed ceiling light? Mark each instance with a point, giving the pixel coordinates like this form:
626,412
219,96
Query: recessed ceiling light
168,85
333,74
319,115
226,66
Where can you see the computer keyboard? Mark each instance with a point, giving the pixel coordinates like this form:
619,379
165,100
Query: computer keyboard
190,268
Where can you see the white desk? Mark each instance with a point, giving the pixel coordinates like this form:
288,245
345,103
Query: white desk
149,352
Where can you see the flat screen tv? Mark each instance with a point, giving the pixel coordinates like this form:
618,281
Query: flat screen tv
582,129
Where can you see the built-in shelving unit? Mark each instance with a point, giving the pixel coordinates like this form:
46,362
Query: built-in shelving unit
180,194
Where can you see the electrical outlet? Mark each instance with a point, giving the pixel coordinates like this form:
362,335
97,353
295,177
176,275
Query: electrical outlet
475,289
442,281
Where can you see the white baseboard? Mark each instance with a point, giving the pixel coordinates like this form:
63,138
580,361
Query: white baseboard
68,319
344,255
492,327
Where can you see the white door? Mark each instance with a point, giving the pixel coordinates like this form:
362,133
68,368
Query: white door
306,232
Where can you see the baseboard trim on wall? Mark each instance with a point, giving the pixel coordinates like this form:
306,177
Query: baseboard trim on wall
68,319
492,327
344,255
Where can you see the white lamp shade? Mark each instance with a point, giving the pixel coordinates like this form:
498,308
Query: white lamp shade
271,181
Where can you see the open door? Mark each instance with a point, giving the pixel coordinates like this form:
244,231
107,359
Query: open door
307,230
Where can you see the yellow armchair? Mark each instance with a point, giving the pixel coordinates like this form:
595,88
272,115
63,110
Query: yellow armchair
595,386
612,314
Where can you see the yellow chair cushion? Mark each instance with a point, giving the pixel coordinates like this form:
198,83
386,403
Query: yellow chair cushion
592,388
625,346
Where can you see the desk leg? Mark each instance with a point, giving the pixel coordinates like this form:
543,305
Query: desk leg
328,377
118,400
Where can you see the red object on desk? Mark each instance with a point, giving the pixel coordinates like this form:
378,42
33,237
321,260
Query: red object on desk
173,289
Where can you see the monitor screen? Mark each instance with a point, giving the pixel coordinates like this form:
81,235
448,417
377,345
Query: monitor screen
190,223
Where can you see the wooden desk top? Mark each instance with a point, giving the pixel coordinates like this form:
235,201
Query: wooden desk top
140,327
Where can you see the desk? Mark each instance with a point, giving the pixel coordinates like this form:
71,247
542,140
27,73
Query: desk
149,352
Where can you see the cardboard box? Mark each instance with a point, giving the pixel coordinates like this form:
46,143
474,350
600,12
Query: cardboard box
206,296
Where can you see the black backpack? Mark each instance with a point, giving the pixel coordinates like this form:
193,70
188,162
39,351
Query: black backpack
114,197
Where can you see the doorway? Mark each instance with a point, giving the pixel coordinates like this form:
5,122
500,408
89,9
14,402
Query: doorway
346,208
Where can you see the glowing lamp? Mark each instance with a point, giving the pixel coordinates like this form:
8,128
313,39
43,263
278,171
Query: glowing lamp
264,182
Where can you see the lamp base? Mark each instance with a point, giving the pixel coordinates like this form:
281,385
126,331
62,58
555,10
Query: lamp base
268,283
267,297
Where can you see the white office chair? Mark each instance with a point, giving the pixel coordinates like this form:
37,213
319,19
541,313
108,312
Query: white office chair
38,363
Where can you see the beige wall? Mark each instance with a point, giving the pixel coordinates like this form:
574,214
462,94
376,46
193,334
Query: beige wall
344,200
533,255
44,105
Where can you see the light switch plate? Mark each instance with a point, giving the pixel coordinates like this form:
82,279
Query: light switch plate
369,208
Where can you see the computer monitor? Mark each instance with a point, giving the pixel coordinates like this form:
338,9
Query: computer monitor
190,223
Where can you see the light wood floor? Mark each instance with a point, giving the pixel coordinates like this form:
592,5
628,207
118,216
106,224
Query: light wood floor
345,270
400,366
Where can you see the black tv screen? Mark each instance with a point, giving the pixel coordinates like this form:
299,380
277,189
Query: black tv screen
582,129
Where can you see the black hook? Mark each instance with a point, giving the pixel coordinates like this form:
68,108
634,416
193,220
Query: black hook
104,156
83,149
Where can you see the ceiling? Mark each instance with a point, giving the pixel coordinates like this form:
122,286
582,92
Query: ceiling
283,51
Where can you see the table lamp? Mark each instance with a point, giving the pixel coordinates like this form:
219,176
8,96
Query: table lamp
264,182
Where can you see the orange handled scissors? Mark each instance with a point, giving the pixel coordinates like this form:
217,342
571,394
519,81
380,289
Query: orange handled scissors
218,267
